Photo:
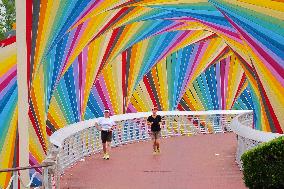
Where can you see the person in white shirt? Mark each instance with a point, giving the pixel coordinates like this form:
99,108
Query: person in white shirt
105,125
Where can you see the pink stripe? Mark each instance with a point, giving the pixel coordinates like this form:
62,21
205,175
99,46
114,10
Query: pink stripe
33,161
106,93
8,80
222,68
93,6
71,49
101,94
131,109
80,79
227,60
7,87
262,54
9,72
225,30
84,70
183,36
176,24
199,47
269,66
96,95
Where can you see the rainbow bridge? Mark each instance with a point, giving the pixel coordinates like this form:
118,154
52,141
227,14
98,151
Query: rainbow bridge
71,59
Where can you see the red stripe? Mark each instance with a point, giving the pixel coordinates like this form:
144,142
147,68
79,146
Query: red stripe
107,52
148,87
48,131
226,49
101,94
34,124
112,21
265,99
270,108
124,61
8,41
180,108
7,80
242,82
252,42
70,49
29,15
80,60
222,74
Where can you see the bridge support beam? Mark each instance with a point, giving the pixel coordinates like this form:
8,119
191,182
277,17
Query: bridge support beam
22,88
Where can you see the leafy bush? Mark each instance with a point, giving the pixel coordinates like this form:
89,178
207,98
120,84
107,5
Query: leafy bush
263,166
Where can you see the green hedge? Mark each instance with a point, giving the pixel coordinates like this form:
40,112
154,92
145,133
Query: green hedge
263,166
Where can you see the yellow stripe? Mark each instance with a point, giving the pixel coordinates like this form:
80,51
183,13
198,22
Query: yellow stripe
267,7
7,153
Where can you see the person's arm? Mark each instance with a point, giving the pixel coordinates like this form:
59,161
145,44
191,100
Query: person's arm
113,126
97,126
160,121
149,124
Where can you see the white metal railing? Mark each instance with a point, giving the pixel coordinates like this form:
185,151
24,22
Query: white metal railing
16,182
76,141
248,137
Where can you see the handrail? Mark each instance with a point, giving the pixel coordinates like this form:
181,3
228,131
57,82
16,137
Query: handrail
253,134
247,136
58,137
25,168
76,141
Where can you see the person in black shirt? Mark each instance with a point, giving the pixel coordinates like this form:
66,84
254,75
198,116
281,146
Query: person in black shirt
155,121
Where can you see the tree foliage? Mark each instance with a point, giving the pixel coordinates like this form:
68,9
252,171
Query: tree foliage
264,165
7,16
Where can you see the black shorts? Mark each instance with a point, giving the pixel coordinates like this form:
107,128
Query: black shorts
155,135
106,136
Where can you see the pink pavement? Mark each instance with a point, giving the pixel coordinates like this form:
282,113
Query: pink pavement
196,162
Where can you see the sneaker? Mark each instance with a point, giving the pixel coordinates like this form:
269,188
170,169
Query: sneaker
158,151
154,152
107,156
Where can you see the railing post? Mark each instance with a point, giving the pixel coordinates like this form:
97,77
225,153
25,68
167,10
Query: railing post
15,180
51,173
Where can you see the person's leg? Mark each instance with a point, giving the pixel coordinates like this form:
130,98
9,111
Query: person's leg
104,147
158,144
158,141
154,141
108,144
103,137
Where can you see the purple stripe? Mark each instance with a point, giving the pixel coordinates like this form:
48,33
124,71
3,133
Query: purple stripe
84,70
8,80
178,39
97,97
222,68
76,82
106,93
131,109
101,94
188,71
218,78
91,7
266,57
7,88
227,68
9,72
